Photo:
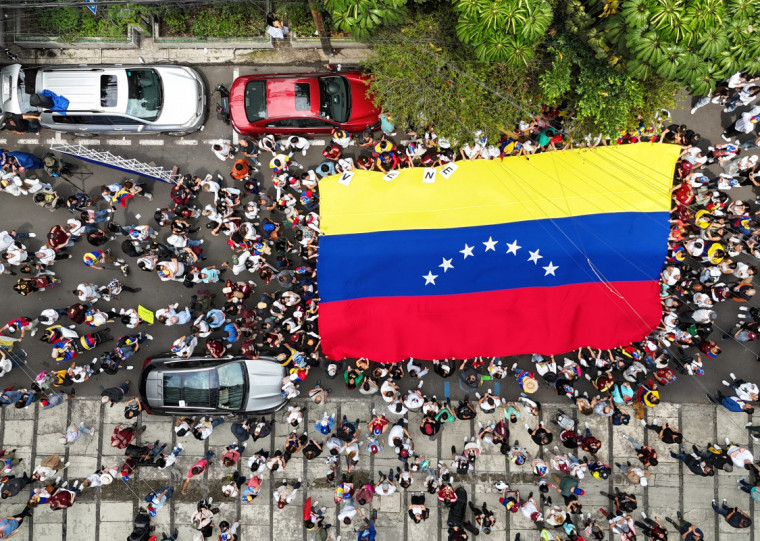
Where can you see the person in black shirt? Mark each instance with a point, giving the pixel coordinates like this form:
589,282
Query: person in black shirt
667,433
734,517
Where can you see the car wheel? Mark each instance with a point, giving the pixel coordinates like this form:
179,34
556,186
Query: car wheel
176,133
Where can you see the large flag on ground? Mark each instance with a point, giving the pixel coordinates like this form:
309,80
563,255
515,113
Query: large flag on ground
495,258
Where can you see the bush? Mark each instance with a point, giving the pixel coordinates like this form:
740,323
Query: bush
73,23
222,20
298,17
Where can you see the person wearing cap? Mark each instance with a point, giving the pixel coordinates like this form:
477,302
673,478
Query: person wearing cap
112,395
157,499
341,138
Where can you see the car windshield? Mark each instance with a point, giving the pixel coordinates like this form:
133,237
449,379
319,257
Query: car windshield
256,100
192,388
144,98
231,386
334,98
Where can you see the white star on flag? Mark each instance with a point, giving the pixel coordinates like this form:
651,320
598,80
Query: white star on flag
467,251
550,269
513,247
446,265
430,278
490,244
534,256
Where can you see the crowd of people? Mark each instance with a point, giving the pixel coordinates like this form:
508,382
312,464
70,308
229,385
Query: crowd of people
269,307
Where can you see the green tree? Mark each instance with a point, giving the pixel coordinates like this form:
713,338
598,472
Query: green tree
603,99
424,76
364,17
503,30
696,43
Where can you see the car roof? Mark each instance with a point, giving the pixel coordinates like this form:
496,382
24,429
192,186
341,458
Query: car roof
81,86
281,97
264,377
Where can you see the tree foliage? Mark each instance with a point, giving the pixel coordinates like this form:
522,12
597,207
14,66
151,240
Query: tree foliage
693,42
423,75
605,100
362,18
503,30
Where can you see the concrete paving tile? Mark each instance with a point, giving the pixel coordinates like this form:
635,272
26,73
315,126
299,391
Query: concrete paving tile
49,530
44,515
81,466
256,513
21,414
81,518
111,511
18,434
253,532
287,520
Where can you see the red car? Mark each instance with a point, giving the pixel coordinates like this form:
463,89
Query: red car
301,103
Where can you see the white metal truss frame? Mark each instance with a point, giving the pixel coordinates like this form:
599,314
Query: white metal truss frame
107,159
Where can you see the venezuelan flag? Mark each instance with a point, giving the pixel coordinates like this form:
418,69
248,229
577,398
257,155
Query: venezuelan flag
495,258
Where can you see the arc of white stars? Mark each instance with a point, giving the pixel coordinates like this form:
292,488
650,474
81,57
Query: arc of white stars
467,251
513,247
535,256
490,244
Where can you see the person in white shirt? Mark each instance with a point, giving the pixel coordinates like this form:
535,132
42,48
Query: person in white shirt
744,124
45,255
223,149
297,143
87,292
745,390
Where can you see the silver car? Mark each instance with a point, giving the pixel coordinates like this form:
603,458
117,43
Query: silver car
110,99
202,385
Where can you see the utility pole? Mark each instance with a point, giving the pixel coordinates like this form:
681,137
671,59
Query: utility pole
320,24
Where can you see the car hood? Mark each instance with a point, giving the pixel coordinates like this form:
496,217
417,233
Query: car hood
264,385
362,108
182,93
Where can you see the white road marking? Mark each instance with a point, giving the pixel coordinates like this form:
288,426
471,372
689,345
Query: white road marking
52,141
34,141
122,142
152,142
86,142
318,143
235,135
3,141
58,136
186,142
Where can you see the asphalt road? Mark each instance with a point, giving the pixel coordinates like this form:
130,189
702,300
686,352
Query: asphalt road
193,155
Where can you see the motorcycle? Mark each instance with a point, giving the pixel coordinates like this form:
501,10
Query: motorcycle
223,109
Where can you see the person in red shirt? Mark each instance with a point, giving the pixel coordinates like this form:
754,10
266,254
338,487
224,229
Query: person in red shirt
64,497
199,468
59,238
123,435
232,454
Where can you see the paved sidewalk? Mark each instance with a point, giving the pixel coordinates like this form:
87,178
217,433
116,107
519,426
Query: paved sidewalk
203,54
106,513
